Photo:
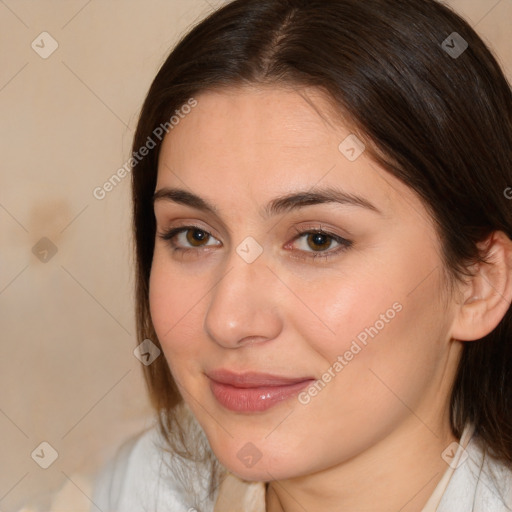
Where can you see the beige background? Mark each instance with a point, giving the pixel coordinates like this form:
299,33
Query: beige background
68,375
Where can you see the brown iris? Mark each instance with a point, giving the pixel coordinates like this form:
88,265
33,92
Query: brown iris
320,241
195,236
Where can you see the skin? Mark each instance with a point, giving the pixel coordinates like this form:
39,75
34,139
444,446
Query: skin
372,438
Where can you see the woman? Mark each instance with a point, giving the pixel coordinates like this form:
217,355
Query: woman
324,260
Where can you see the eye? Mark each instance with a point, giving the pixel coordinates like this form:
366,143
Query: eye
193,235
189,238
320,242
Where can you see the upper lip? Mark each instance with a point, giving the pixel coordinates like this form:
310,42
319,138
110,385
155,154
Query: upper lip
252,379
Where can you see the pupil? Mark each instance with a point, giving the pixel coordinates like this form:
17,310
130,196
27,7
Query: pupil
320,240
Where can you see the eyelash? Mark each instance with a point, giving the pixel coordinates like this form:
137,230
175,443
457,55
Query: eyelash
345,244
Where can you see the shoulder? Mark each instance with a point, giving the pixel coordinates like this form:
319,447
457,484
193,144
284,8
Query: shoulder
480,482
142,475
119,474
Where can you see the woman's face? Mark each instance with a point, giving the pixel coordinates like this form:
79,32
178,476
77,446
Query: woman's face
353,317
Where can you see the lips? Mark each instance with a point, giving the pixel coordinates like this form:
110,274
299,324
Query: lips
252,391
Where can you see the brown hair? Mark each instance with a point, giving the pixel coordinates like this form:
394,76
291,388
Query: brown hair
440,123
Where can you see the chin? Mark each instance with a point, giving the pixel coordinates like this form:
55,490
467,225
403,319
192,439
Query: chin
251,465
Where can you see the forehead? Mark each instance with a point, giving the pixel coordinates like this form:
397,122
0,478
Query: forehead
261,115
263,141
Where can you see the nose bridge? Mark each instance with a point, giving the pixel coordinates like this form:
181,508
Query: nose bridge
243,302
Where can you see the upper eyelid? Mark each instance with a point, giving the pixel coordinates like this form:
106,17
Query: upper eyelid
313,225
187,224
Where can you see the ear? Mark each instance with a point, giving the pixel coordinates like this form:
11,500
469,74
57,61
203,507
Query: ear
487,296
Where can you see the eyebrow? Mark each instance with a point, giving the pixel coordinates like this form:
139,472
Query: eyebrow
276,206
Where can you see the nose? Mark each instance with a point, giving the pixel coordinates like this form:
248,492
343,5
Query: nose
245,305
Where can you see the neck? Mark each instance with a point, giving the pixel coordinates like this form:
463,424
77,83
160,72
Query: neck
399,472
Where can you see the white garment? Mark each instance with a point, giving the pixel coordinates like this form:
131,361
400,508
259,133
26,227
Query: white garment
136,481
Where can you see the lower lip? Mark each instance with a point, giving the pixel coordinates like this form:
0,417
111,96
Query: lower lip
254,399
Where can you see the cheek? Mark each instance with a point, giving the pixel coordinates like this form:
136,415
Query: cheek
345,308
375,332
176,307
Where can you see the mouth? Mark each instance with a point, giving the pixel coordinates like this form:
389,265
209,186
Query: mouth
253,392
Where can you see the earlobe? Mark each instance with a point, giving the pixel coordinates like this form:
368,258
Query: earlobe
488,293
